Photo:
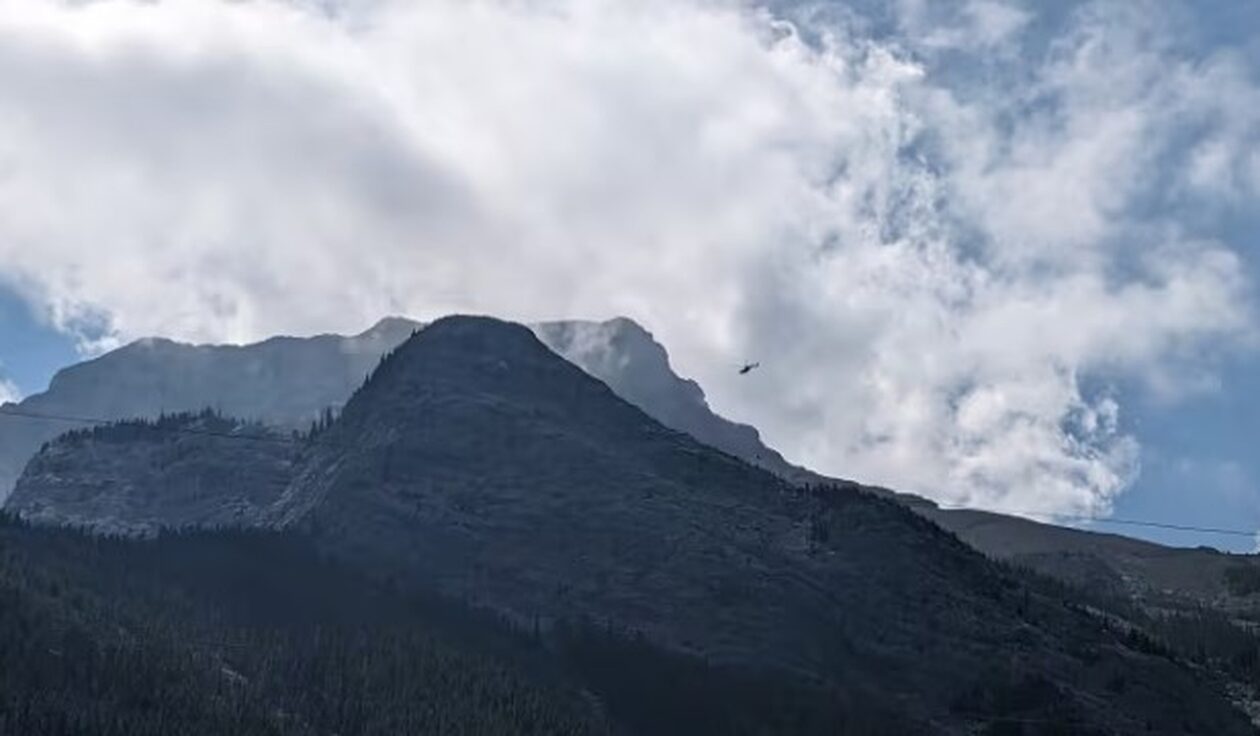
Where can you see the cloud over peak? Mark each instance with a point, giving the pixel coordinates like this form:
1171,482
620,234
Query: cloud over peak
932,272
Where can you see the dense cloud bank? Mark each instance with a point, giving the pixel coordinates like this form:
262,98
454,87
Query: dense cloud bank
944,233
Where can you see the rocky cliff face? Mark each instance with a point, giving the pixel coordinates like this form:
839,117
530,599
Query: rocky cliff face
137,477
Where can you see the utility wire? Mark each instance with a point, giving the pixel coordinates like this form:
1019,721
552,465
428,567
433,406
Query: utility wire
1032,516
14,411
1162,525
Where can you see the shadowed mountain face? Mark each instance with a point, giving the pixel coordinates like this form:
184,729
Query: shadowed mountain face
499,471
477,463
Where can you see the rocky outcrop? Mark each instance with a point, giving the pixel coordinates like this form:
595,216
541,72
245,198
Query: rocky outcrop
138,477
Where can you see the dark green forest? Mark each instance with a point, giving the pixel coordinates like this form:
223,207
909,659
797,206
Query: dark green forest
249,632
245,632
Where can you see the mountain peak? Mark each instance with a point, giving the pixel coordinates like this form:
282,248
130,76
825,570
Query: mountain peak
483,347
477,328
391,325
461,355
475,448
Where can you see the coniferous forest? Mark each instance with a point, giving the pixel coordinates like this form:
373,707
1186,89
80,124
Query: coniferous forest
243,632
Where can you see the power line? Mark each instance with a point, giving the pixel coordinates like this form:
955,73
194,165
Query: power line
1251,534
14,411
1163,525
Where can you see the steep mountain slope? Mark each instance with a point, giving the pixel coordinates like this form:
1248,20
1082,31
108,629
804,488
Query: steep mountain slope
139,476
626,357
636,367
477,463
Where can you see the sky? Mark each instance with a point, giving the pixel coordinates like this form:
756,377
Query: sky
1001,253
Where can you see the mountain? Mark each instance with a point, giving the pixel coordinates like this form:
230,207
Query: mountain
288,382
475,448
477,463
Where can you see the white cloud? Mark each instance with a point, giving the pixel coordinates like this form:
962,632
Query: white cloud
969,24
8,391
928,273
